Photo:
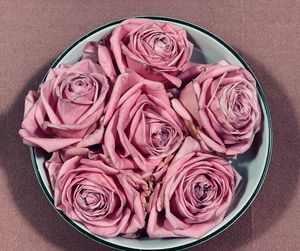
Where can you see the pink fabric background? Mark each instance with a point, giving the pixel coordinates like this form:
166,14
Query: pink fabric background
267,35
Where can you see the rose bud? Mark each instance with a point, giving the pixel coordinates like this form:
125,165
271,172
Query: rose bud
194,195
67,109
141,126
156,50
221,109
107,202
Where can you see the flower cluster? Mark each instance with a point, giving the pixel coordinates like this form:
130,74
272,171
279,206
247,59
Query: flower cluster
140,136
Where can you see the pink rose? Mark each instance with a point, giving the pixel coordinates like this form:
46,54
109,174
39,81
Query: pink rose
156,50
67,108
105,201
221,108
193,196
142,128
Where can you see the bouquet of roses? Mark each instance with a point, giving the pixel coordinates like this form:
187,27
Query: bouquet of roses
141,136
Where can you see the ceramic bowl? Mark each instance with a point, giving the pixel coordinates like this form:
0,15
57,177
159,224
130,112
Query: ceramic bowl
252,165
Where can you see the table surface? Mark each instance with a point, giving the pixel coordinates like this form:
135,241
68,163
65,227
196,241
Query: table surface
266,33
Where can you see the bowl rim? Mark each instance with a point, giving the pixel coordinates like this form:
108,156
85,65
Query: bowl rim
268,120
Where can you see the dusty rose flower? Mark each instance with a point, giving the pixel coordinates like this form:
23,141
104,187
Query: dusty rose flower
67,108
194,195
107,202
142,128
156,50
221,108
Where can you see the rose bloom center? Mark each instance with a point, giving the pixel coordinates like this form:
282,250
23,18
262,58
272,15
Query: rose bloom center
161,137
202,191
90,200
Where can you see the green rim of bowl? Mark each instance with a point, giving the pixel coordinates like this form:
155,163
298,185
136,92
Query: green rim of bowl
266,165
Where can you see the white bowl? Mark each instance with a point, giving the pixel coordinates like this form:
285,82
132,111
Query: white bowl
252,165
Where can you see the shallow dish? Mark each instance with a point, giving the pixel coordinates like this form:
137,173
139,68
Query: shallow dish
252,165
